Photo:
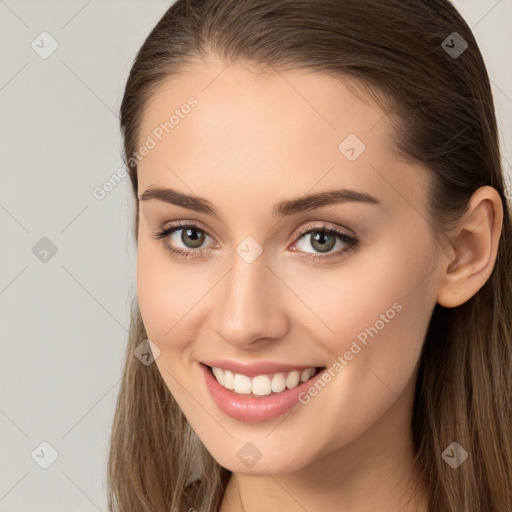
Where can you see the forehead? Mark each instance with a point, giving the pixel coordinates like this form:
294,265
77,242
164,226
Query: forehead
275,131
286,104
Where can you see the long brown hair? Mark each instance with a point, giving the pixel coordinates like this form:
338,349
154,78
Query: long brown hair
442,105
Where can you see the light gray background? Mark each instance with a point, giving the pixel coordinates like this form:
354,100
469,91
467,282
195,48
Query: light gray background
64,321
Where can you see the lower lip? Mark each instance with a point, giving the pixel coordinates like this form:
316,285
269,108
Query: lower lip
247,408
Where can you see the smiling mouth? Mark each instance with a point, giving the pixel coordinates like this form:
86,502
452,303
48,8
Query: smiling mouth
263,385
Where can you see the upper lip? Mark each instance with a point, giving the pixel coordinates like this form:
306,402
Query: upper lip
257,368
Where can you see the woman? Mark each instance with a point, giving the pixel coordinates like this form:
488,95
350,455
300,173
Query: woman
323,317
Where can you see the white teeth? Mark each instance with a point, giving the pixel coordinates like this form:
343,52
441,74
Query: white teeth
292,380
228,379
261,385
307,374
219,375
242,383
278,382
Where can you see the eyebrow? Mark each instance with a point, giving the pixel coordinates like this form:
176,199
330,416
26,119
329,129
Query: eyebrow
281,209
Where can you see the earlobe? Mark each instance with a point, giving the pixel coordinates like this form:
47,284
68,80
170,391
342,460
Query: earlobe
473,248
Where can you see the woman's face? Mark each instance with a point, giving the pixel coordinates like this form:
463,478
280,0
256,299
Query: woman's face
250,291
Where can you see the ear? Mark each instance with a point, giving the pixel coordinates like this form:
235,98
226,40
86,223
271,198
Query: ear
473,245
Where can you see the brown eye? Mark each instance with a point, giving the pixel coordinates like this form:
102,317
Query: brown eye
321,241
190,237
188,244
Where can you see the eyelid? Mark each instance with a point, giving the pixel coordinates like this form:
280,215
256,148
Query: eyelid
180,224
323,226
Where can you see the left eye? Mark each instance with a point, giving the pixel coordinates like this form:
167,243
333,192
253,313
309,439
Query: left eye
324,239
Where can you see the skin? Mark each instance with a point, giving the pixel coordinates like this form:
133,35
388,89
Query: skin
254,140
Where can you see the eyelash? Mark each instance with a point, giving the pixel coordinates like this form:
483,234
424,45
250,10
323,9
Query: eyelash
352,242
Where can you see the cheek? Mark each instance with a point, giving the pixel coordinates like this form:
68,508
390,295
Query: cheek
379,310
352,295
163,294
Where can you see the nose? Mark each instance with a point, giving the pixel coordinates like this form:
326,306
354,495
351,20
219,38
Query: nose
250,309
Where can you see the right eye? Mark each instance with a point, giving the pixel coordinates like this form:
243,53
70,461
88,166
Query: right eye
191,236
